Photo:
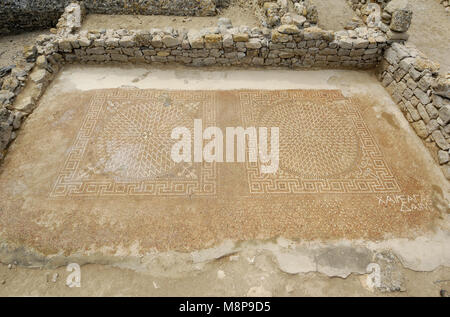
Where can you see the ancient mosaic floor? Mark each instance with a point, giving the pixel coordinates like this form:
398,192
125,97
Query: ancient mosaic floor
93,172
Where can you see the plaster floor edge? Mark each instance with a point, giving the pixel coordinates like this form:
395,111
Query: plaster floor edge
333,258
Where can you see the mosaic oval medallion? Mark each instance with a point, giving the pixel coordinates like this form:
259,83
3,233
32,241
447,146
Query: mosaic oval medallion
135,142
315,140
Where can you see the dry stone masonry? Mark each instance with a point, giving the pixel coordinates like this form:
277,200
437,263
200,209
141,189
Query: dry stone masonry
301,13
393,17
422,94
412,79
286,45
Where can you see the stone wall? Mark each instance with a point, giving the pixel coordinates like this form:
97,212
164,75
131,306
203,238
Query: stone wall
412,79
19,15
422,95
446,4
286,45
71,20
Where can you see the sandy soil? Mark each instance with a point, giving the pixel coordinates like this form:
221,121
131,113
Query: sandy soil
430,31
226,277
12,45
241,13
334,14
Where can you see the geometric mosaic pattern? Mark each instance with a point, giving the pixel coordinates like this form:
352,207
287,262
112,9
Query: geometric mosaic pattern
325,145
123,146
124,142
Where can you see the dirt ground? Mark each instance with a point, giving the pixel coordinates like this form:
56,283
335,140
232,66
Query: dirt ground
333,15
225,277
12,45
240,13
429,31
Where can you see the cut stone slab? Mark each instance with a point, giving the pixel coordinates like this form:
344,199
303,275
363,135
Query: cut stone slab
444,114
396,5
401,20
288,29
440,140
443,157
240,37
30,53
397,36
39,76
420,129
293,18
170,41
26,105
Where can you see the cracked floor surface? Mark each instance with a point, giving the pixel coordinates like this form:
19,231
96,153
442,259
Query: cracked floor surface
254,274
